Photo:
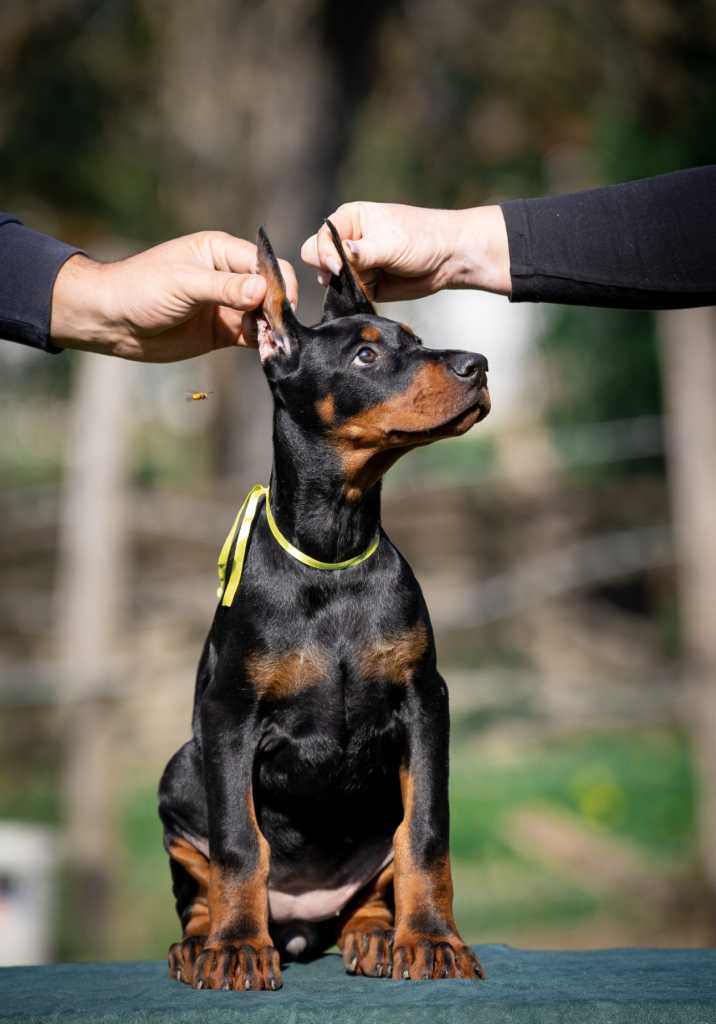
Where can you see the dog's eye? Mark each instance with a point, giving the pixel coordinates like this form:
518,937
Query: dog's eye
365,356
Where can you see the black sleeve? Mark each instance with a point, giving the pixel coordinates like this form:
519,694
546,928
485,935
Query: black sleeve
29,263
647,244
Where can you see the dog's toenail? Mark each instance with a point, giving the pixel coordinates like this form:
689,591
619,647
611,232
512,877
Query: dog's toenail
247,984
406,974
178,975
199,984
354,964
272,983
379,970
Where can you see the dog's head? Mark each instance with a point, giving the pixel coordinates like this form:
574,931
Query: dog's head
363,383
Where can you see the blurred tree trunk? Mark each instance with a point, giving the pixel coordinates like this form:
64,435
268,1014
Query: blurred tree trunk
91,592
689,361
258,102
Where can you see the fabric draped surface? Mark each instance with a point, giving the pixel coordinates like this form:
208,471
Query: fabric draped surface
621,986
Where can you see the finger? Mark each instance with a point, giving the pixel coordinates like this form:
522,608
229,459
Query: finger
249,332
309,253
227,252
239,291
319,250
232,327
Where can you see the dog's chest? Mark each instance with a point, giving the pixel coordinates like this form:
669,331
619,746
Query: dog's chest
339,733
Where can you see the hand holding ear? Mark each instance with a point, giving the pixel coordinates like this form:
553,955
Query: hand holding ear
405,252
279,331
178,300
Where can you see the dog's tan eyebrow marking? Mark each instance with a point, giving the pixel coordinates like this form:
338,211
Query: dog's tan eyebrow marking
326,409
407,328
395,658
370,333
281,675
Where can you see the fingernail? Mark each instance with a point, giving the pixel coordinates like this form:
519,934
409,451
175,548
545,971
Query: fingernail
253,289
334,266
324,280
351,247
294,306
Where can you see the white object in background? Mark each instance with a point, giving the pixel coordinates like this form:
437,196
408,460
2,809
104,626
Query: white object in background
28,859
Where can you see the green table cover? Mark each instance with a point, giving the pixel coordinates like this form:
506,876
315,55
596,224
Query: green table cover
633,986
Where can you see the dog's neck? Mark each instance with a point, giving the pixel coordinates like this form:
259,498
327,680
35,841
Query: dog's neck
309,498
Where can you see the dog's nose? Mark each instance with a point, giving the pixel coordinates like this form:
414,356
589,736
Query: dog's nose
468,364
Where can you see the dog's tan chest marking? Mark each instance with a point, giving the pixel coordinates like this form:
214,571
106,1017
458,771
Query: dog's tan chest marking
282,675
394,659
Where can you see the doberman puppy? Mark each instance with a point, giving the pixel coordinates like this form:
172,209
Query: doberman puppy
311,805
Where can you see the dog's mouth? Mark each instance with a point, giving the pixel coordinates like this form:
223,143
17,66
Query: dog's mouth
475,411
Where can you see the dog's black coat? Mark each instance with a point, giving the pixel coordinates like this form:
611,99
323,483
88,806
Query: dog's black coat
290,710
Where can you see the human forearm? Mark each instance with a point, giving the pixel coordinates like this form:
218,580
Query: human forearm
29,264
647,244
480,256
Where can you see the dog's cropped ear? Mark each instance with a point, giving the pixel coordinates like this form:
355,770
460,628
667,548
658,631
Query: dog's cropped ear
345,295
278,327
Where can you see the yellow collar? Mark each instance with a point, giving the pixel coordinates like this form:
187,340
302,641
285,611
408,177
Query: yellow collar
242,524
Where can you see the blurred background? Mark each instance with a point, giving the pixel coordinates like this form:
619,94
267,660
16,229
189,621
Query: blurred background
566,546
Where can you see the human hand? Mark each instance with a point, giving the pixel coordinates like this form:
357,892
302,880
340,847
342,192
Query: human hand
405,252
177,300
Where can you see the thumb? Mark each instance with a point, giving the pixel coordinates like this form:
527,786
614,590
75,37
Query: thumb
239,291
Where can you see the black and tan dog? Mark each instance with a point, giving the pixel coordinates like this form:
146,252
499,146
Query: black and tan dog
311,804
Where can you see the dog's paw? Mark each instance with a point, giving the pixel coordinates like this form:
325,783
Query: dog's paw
369,951
182,958
238,965
419,958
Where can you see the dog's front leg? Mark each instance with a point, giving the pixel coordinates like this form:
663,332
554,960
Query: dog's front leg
427,943
239,953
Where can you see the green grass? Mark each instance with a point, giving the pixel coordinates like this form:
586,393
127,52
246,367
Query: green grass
149,924
639,786
497,895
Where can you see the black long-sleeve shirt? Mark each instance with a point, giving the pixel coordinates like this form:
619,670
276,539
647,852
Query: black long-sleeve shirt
648,244
29,263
